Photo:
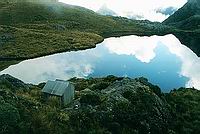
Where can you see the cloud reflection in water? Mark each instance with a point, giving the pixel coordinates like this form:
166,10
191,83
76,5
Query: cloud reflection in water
156,57
143,49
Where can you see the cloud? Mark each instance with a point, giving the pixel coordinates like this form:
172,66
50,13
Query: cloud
167,11
130,8
131,15
104,10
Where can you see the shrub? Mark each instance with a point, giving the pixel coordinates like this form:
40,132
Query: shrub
90,99
101,85
9,118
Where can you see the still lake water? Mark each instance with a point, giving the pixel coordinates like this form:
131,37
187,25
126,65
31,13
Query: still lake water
162,59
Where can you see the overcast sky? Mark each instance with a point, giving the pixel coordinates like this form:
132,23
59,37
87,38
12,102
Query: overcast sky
147,9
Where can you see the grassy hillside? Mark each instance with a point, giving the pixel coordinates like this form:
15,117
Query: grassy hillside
25,43
29,30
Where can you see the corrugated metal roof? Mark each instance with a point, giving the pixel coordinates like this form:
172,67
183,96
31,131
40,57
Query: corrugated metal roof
55,87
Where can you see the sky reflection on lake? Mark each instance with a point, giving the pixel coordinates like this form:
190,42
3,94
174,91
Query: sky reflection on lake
161,59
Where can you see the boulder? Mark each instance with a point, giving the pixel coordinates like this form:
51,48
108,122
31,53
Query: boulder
132,101
7,81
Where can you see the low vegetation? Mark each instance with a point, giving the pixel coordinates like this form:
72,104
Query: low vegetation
29,30
101,106
20,43
185,110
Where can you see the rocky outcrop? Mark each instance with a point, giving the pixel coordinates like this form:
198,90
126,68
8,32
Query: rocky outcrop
11,83
128,102
145,106
105,105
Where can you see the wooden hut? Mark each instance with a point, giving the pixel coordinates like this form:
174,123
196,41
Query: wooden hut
64,90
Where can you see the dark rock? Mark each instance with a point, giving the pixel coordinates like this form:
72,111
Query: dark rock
127,104
143,106
7,81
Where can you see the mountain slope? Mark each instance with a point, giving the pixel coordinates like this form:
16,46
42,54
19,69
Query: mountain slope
34,13
187,17
33,29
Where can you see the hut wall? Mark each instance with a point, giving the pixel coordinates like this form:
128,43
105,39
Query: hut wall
68,94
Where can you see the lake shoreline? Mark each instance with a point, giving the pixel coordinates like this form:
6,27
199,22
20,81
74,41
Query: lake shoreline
131,56
19,59
90,46
82,47
103,35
